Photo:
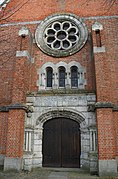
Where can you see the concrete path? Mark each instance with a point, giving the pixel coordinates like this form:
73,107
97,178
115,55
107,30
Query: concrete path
58,175
50,174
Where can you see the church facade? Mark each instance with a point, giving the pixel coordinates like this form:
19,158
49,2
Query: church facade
59,85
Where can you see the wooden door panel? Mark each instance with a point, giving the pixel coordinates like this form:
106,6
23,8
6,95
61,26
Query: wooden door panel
70,143
52,143
61,143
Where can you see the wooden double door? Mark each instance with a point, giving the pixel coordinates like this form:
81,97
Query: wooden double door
61,143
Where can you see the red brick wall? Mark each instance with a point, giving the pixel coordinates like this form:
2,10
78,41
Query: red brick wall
3,131
16,73
8,39
15,133
84,57
106,89
106,63
115,120
106,134
10,66
26,10
107,79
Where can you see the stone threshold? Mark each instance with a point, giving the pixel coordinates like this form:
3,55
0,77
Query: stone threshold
62,169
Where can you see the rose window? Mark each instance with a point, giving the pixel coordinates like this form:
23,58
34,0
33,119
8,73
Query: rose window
61,35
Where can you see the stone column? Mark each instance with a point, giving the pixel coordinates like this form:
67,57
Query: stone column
37,149
68,80
55,81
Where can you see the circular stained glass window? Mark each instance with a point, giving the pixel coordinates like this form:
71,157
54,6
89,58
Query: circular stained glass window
61,35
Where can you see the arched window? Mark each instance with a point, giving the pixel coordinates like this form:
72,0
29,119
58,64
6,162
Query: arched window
61,76
74,76
49,73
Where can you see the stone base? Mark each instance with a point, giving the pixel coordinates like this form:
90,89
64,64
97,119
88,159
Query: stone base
12,163
117,160
93,163
107,168
27,162
2,159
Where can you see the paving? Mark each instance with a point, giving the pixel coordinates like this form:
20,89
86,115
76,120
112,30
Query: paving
50,174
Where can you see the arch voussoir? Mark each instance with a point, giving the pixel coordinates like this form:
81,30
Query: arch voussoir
51,114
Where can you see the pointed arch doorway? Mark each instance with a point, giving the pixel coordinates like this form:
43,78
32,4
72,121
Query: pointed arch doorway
61,143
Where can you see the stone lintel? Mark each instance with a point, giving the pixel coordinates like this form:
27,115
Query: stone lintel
107,167
12,163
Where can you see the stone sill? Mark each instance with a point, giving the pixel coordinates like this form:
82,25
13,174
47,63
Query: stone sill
99,49
92,126
60,92
27,153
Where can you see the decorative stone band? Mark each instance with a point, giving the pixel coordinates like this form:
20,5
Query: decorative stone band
103,105
93,107
115,108
16,106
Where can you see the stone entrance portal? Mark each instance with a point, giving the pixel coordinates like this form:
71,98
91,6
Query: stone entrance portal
47,109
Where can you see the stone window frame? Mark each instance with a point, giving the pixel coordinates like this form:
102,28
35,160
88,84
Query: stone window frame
49,76
97,29
61,80
74,75
93,139
41,83
28,137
